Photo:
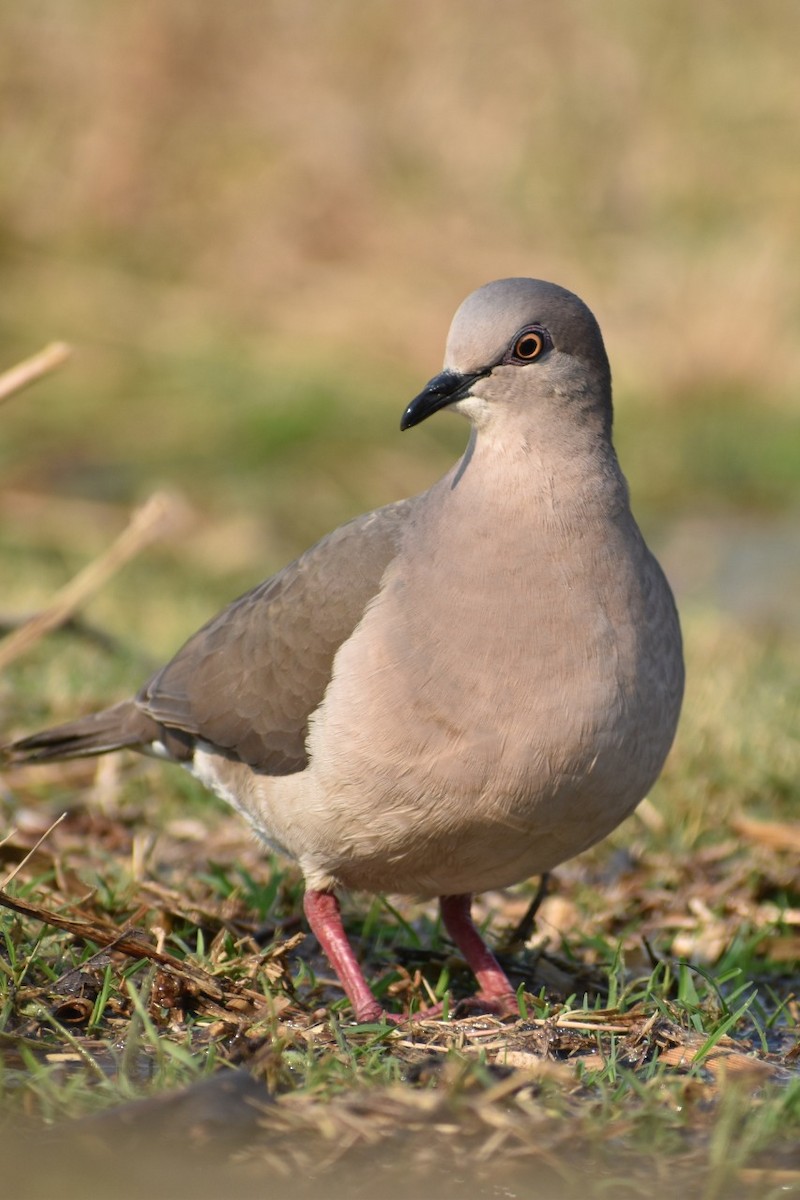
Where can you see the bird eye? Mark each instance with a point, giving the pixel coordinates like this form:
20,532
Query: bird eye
529,345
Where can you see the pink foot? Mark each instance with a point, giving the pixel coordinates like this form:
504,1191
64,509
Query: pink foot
481,1005
325,918
496,994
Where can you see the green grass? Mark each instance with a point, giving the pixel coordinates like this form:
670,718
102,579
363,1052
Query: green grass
261,228
676,929
642,1027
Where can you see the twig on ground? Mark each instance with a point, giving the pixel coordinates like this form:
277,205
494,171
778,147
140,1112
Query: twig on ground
515,938
16,870
160,515
10,622
776,835
30,369
127,941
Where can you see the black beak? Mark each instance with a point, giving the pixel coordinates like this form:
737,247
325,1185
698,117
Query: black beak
442,390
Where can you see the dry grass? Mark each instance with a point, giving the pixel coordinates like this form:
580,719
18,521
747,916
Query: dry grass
253,226
620,1043
334,178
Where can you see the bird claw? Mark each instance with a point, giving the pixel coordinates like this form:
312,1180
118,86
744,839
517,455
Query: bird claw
379,1014
484,1005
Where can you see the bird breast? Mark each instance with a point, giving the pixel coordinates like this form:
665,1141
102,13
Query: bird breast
506,723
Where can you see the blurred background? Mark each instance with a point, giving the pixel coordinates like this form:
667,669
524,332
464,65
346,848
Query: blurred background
253,222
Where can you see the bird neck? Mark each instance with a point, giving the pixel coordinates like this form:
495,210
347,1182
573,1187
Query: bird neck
549,470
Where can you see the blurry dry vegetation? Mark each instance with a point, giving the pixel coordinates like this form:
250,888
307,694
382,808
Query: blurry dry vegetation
252,223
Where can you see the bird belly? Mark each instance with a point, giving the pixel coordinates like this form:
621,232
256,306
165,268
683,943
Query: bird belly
494,775
438,765
474,810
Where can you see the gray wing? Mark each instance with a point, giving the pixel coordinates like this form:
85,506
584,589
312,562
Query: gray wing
248,681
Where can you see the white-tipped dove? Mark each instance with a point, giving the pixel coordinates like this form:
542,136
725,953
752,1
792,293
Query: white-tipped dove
456,691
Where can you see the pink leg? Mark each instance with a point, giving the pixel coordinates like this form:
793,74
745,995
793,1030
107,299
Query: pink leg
325,918
495,988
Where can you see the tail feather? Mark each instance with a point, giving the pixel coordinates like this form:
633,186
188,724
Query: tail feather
112,729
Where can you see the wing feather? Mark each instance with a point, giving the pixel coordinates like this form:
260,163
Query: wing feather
249,680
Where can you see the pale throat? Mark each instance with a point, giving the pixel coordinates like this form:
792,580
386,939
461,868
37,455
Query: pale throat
550,464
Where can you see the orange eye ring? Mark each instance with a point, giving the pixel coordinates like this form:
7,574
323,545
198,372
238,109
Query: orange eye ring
529,346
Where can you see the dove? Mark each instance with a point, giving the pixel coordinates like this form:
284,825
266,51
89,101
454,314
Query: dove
456,691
